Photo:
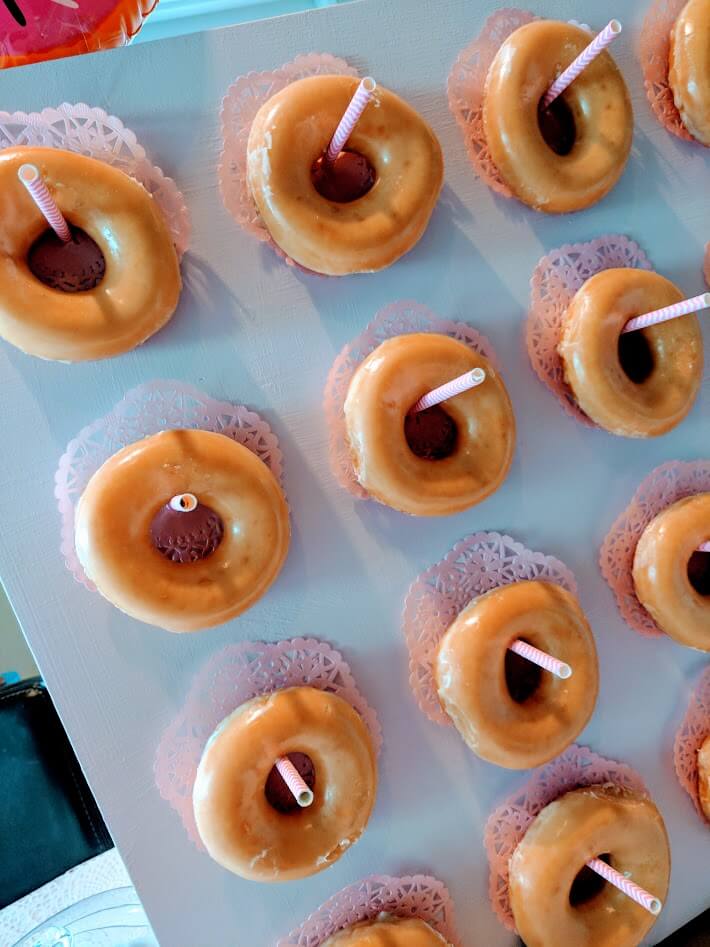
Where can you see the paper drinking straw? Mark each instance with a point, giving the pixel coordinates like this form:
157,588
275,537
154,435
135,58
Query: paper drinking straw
471,379
358,103
541,658
184,503
597,45
295,782
704,547
38,191
632,890
668,312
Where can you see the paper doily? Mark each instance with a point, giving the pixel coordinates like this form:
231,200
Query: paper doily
554,281
691,734
670,482
477,564
232,676
654,50
91,132
145,410
399,318
578,766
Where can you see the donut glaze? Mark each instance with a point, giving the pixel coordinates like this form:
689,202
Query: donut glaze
581,825
239,827
384,388
141,286
524,68
689,68
471,680
293,129
704,777
120,504
660,571
589,349
388,931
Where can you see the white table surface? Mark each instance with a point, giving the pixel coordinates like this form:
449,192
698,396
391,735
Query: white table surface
252,330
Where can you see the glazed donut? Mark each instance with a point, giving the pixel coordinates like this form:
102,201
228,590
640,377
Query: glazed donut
689,68
239,826
640,384
71,314
292,131
704,776
590,124
189,565
661,571
514,721
583,824
388,931
464,447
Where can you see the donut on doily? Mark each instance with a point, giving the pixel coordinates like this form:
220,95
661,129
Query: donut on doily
691,748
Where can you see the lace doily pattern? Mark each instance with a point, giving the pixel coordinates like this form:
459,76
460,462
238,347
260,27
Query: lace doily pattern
477,564
670,482
91,132
399,318
554,281
145,410
654,52
691,734
232,676
577,767
412,896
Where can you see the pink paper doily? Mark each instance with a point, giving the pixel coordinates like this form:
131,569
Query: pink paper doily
232,676
691,734
577,767
654,50
554,281
145,410
399,318
243,100
91,132
670,482
477,564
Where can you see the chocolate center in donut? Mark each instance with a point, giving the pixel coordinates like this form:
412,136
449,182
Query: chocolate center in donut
522,677
348,178
699,572
557,126
587,884
277,793
183,536
431,434
636,356
73,267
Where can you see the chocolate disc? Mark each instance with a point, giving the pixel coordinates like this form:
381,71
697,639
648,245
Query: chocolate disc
183,536
349,177
431,434
72,267
278,795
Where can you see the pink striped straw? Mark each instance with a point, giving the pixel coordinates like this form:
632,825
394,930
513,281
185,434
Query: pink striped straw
597,45
630,888
541,658
694,304
464,382
704,547
38,191
295,782
358,104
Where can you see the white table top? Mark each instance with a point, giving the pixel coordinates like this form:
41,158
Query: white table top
252,330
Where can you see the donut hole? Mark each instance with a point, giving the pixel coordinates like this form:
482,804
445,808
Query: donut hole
636,356
699,572
346,179
557,125
587,884
431,434
277,793
74,267
522,677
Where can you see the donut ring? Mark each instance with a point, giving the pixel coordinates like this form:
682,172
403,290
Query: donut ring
471,682
689,68
580,825
388,931
704,777
239,827
363,235
383,389
524,68
121,500
589,348
660,571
